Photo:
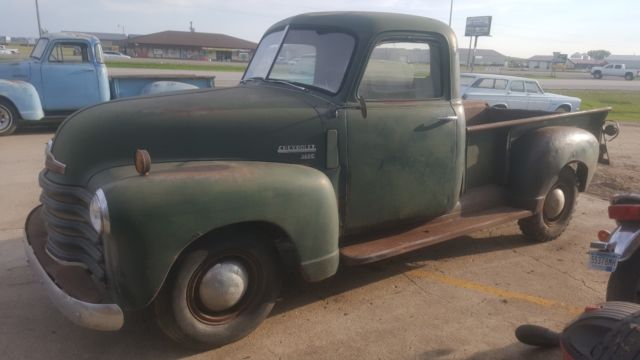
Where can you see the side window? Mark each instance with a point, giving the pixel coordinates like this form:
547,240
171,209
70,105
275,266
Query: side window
403,71
484,84
608,67
69,53
532,87
501,84
498,84
517,86
618,67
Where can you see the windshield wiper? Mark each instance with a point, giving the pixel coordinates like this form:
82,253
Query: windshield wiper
286,83
274,81
252,79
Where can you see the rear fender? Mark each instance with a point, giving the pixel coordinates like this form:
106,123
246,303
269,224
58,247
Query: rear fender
537,157
24,97
625,240
154,218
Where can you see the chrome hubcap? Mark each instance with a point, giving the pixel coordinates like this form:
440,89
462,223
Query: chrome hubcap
5,118
223,285
554,203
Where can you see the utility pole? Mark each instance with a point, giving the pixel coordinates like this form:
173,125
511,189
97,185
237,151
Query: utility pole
38,15
450,12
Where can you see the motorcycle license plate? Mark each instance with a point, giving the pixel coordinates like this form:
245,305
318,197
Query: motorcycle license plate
603,261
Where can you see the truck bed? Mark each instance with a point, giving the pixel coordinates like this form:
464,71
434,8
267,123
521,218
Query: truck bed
490,133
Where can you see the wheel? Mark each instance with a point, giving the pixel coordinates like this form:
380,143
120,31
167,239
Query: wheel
563,109
8,118
624,282
220,293
597,75
557,210
628,76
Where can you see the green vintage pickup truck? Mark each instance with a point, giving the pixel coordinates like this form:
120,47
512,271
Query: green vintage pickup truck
345,143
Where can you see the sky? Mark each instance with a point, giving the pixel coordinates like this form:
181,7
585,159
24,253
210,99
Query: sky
520,28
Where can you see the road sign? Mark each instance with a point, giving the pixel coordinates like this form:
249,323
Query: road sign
478,26
559,58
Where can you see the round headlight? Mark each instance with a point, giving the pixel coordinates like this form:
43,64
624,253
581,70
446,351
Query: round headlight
98,212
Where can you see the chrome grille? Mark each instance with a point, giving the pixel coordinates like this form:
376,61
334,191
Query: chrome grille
70,237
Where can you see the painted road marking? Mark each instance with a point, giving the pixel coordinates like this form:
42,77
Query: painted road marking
490,290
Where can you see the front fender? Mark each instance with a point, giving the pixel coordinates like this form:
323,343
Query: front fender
153,218
24,97
538,156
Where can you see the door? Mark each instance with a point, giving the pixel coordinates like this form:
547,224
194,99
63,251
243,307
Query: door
537,99
402,157
69,77
516,97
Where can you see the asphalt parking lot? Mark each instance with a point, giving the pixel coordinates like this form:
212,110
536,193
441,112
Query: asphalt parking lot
457,300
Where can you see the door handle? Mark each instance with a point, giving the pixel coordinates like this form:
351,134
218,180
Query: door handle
441,121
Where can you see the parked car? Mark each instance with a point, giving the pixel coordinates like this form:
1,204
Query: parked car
66,72
511,92
115,55
199,204
620,70
6,51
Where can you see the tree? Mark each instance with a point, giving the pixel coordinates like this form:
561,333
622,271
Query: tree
598,54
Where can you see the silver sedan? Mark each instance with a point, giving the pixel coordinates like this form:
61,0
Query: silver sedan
512,92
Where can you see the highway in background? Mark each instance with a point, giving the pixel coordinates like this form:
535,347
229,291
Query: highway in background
231,78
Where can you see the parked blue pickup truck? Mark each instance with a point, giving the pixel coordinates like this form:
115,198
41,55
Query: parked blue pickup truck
66,72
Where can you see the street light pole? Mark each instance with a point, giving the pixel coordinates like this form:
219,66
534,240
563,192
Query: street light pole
38,15
450,12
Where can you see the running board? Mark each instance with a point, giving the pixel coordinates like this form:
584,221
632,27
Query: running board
438,230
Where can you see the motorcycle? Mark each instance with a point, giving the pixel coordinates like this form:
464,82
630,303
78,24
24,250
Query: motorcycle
610,331
619,252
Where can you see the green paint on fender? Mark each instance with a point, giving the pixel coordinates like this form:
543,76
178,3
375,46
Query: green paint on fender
154,217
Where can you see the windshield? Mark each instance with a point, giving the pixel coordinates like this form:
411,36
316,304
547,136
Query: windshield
38,50
307,57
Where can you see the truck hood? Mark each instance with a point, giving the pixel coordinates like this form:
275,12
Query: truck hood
249,122
16,70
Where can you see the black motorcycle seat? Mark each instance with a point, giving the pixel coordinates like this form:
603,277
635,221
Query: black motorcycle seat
620,199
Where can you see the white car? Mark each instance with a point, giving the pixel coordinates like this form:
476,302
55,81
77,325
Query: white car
6,51
514,93
115,55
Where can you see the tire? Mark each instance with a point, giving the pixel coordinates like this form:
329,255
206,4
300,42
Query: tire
547,225
628,76
180,307
8,118
563,109
624,282
597,75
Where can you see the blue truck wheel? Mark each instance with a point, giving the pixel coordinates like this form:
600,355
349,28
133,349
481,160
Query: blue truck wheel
8,118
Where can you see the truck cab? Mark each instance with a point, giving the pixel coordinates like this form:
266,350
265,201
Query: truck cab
68,72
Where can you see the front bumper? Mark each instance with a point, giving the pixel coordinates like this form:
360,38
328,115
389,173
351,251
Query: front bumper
74,292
